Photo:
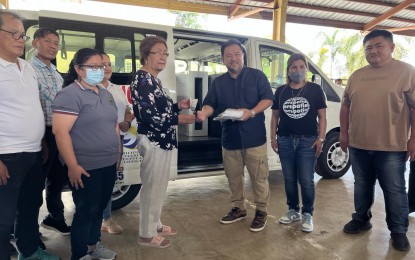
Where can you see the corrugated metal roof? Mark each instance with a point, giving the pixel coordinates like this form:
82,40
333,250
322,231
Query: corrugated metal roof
351,14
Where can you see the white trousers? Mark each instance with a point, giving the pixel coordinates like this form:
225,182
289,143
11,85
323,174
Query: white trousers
154,172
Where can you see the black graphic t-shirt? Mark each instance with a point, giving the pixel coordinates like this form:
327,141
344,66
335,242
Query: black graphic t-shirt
298,109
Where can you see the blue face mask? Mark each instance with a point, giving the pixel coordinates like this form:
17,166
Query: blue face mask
94,77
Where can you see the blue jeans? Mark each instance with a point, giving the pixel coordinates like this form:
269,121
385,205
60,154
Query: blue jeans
389,169
90,202
106,214
298,161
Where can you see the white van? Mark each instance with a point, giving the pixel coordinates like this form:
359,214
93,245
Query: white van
194,63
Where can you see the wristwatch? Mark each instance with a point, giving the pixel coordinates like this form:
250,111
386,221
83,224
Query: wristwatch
321,139
252,113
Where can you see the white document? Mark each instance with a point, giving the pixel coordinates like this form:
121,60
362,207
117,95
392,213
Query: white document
229,114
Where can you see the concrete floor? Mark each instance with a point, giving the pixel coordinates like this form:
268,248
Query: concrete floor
194,206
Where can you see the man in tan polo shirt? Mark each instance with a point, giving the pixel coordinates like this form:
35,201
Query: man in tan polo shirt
375,120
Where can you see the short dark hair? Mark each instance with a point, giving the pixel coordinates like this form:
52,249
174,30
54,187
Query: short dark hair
45,31
147,44
6,12
229,43
291,59
375,33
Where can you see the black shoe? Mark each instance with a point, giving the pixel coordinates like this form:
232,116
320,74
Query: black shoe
355,227
236,214
259,221
400,241
12,249
56,225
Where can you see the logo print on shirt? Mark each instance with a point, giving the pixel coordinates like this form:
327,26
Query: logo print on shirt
296,107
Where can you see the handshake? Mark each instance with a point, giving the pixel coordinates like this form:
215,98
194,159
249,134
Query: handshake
195,116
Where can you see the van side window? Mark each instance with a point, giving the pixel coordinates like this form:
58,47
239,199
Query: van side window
138,37
29,50
274,66
119,51
196,55
69,43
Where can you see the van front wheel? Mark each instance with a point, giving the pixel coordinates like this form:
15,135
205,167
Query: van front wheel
122,195
332,163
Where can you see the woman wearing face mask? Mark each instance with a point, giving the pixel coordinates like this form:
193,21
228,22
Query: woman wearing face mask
298,128
84,123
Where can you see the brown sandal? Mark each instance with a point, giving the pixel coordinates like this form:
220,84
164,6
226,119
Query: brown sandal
167,231
156,242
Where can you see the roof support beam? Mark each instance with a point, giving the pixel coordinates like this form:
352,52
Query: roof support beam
5,3
402,29
279,20
388,14
251,12
234,8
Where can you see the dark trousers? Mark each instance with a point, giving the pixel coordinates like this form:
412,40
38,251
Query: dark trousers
389,169
57,178
411,188
90,202
20,200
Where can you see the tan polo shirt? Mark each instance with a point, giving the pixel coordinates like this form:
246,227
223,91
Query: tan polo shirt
380,100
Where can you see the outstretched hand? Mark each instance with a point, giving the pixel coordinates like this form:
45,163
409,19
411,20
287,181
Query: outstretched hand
186,119
201,117
184,104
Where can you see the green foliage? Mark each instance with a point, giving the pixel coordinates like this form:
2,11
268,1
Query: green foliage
330,46
189,20
352,50
346,54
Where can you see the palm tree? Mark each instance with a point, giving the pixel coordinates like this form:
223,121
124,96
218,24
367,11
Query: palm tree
332,44
352,49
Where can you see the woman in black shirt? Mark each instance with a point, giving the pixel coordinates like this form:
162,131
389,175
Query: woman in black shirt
298,127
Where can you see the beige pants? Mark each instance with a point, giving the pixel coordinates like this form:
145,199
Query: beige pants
154,172
256,161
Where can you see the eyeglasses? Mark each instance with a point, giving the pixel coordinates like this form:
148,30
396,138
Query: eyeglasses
17,36
160,53
93,67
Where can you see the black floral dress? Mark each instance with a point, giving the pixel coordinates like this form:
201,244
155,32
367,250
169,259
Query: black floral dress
154,110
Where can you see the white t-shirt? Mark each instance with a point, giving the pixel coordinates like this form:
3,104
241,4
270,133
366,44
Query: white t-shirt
22,124
120,100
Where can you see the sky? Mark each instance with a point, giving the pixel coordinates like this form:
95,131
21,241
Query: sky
301,36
